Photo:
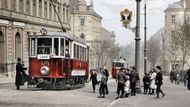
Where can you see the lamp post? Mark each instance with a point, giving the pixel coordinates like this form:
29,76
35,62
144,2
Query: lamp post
137,38
145,47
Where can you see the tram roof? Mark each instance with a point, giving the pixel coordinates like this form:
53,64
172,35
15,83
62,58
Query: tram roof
60,34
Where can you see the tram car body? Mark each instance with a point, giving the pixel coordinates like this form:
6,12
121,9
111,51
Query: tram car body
57,60
117,64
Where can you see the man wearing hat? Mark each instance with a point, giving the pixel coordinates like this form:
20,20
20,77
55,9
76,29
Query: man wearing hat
19,73
159,82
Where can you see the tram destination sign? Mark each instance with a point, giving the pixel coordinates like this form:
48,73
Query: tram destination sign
42,56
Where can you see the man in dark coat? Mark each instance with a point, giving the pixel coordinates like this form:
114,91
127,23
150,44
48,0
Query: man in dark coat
188,79
120,79
134,77
93,78
103,83
19,73
159,82
107,76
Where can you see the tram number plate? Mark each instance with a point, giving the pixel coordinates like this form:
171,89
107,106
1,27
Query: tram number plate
43,57
44,63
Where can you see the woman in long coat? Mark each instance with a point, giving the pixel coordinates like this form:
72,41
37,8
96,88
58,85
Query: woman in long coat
152,83
19,73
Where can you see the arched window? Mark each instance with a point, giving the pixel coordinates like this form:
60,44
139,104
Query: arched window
18,45
1,52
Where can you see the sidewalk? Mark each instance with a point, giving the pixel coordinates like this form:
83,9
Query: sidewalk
4,79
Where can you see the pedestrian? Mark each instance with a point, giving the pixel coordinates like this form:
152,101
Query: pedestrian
188,79
152,81
107,76
127,86
93,78
134,77
19,81
159,82
103,83
120,79
171,76
146,82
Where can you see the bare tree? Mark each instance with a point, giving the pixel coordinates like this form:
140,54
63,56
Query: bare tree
114,52
106,51
154,51
181,43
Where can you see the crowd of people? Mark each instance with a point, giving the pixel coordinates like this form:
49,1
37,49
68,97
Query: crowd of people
153,81
127,80
180,76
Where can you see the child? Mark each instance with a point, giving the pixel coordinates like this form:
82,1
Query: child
127,86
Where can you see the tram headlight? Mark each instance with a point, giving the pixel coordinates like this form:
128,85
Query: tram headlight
44,70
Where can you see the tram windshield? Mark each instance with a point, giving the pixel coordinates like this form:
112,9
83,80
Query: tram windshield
44,45
118,64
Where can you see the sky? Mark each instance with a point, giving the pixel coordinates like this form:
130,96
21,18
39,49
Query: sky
110,11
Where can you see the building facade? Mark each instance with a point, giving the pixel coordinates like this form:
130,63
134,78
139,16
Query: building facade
175,15
20,18
86,23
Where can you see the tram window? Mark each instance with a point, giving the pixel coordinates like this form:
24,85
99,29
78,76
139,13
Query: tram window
75,51
32,47
56,46
67,44
87,54
44,45
62,47
117,64
78,51
84,53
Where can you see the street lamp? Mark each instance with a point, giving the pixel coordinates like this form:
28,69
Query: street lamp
137,38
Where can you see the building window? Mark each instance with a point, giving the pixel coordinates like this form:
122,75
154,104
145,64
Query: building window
4,4
173,19
14,5
45,9
40,8
34,7
50,11
27,7
67,16
82,21
63,14
21,6
17,45
55,16
59,13
1,48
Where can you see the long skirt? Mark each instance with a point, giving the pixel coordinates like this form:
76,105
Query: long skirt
188,85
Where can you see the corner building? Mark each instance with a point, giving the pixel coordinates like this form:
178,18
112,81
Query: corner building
20,18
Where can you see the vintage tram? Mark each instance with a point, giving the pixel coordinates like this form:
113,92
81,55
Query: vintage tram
117,64
57,60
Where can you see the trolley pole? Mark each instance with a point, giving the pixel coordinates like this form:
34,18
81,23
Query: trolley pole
137,38
145,34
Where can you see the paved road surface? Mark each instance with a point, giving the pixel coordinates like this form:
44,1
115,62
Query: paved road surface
176,96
